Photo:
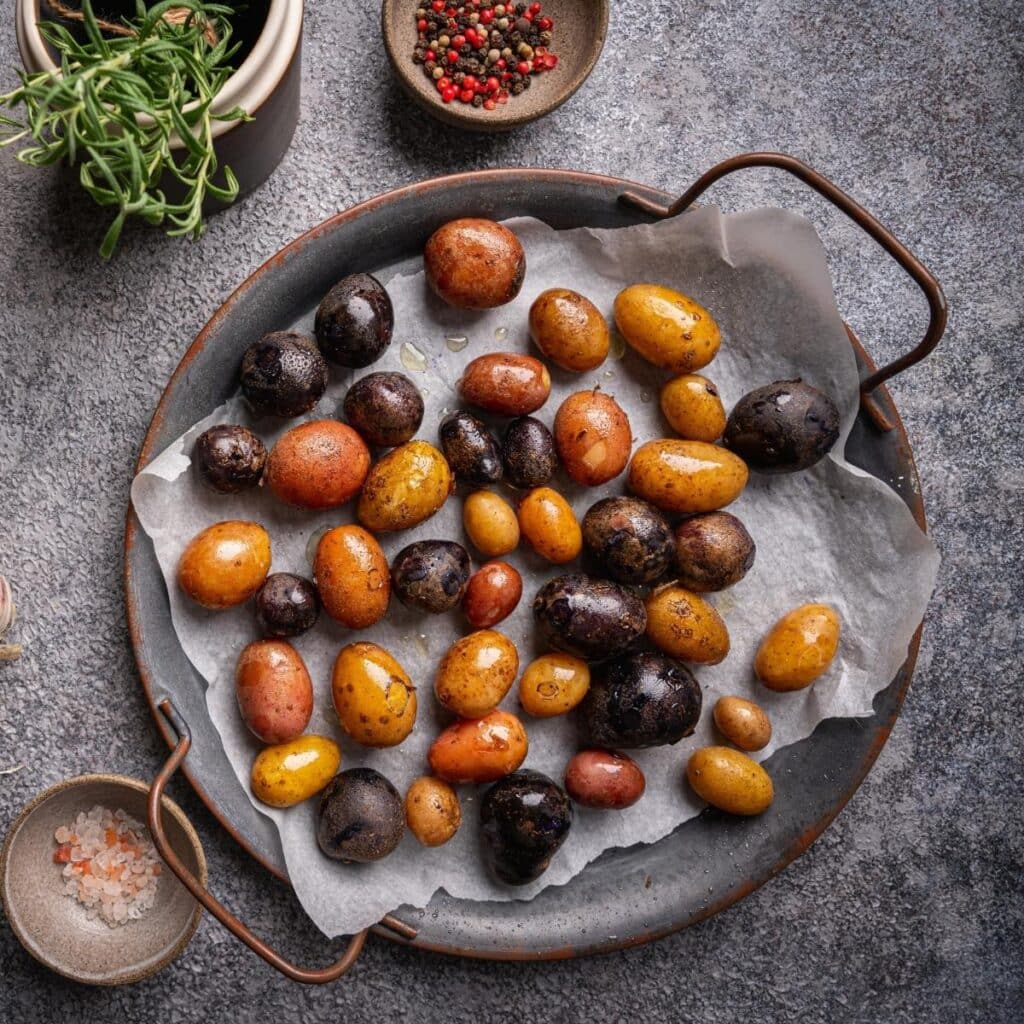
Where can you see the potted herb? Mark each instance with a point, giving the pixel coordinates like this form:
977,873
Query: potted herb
164,109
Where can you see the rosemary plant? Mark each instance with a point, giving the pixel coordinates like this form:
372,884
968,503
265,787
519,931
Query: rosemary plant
118,100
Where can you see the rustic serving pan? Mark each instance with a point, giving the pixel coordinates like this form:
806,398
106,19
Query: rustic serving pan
627,896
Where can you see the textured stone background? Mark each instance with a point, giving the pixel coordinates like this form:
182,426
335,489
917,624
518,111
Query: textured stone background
910,907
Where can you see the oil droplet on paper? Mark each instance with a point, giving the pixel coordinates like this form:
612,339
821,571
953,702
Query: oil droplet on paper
609,374
501,334
617,346
456,342
422,645
645,396
413,358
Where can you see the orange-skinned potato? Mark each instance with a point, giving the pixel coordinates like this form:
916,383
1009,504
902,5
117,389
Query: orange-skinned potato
318,465
799,648
352,576
475,263
225,564
593,437
569,329
479,749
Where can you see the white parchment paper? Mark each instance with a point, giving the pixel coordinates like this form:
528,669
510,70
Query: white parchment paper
831,534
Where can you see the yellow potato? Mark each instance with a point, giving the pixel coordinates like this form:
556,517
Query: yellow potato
553,684
548,522
432,811
799,648
476,673
686,476
569,329
225,564
490,523
289,773
407,486
743,723
666,327
373,695
729,780
685,626
693,407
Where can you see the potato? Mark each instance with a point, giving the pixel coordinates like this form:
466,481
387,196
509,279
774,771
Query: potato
490,523
783,428
666,327
373,695
475,263
476,673
686,476
360,817
630,540
317,465
432,811
712,551
229,458
569,329
553,684
431,575
471,449
686,627
528,452
407,486
479,749
593,437
743,723
548,522
799,648
506,383
355,321
729,780
386,408
492,595
352,576
287,774
225,564
604,779
693,407
274,691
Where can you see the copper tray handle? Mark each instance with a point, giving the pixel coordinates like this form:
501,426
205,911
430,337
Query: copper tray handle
938,312
212,904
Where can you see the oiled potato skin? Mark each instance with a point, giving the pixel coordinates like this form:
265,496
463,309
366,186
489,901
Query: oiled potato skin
548,522
693,407
475,263
685,626
629,538
476,673
493,592
273,690
553,684
386,408
712,551
317,465
491,524
667,328
604,779
479,749
686,476
373,695
593,437
743,723
288,773
799,648
569,329
506,383
352,576
225,564
730,781
432,811
405,487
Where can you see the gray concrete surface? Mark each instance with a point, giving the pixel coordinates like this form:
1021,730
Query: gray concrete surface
909,909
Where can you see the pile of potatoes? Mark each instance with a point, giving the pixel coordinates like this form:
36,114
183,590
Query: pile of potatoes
625,620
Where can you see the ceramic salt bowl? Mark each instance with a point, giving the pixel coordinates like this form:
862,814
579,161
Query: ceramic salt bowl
54,927
580,27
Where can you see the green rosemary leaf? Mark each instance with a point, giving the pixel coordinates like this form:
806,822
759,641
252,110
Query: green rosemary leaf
110,239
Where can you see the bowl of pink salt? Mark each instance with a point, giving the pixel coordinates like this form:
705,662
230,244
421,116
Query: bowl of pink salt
84,888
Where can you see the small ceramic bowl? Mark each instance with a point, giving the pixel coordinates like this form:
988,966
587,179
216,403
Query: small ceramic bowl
579,34
54,927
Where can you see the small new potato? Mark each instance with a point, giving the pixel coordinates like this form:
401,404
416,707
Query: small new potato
287,774
432,811
493,592
693,407
273,690
713,551
386,408
730,781
355,321
476,673
548,522
229,458
593,437
479,749
283,374
604,780
407,486
318,465
373,695
686,627
743,723
360,817
506,383
352,576
528,452
491,524
471,449
474,263
569,329
799,648
286,605
431,575
225,564
553,684
686,476
666,327
629,538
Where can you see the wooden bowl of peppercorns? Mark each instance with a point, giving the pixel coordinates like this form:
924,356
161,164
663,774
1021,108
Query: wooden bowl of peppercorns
491,66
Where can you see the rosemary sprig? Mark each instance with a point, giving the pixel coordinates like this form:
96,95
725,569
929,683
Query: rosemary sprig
115,103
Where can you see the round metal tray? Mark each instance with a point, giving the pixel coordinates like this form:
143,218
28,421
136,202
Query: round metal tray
627,896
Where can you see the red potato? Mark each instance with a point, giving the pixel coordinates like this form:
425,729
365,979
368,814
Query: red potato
479,749
317,465
492,595
593,437
506,383
604,779
274,691
474,263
